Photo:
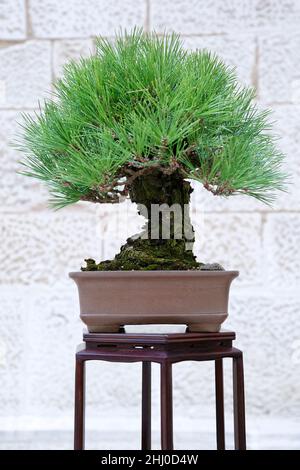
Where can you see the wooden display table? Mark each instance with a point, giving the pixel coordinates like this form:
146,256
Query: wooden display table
165,349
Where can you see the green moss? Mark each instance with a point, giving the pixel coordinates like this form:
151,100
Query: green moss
159,254
148,256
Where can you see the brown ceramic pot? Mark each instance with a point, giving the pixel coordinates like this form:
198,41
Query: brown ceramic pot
112,299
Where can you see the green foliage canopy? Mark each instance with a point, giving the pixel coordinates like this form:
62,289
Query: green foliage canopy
141,103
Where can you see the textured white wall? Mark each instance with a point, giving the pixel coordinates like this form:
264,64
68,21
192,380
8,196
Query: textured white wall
39,327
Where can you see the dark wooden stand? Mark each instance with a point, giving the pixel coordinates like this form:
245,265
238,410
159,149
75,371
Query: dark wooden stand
165,349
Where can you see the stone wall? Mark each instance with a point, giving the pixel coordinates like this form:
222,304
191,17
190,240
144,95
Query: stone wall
39,327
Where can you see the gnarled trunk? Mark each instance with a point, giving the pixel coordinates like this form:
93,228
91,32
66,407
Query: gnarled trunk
166,241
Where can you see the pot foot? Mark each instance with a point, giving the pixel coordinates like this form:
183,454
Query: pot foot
203,328
106,329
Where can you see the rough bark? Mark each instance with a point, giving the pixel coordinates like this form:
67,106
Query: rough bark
142,252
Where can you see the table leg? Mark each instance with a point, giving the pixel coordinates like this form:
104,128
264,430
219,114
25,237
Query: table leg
146,405
79,404
166,404
239,403
219,390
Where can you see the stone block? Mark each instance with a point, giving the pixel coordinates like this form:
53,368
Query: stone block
237,52
12,355
281,242
12,19
267,323
279,55
25,74
233,240
287,128
221,16
41,248
17,192
67,50
84,18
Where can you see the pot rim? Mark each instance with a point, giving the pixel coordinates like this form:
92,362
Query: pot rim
140,273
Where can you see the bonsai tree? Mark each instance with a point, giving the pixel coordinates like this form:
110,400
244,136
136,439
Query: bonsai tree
140,119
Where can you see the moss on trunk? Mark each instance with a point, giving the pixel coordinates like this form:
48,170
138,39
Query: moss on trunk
143,252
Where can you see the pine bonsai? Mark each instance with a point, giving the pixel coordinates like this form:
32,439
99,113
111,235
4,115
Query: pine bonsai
140,119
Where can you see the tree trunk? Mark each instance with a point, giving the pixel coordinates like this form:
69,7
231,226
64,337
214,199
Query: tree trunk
167,239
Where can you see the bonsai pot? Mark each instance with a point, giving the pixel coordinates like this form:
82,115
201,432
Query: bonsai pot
111,299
